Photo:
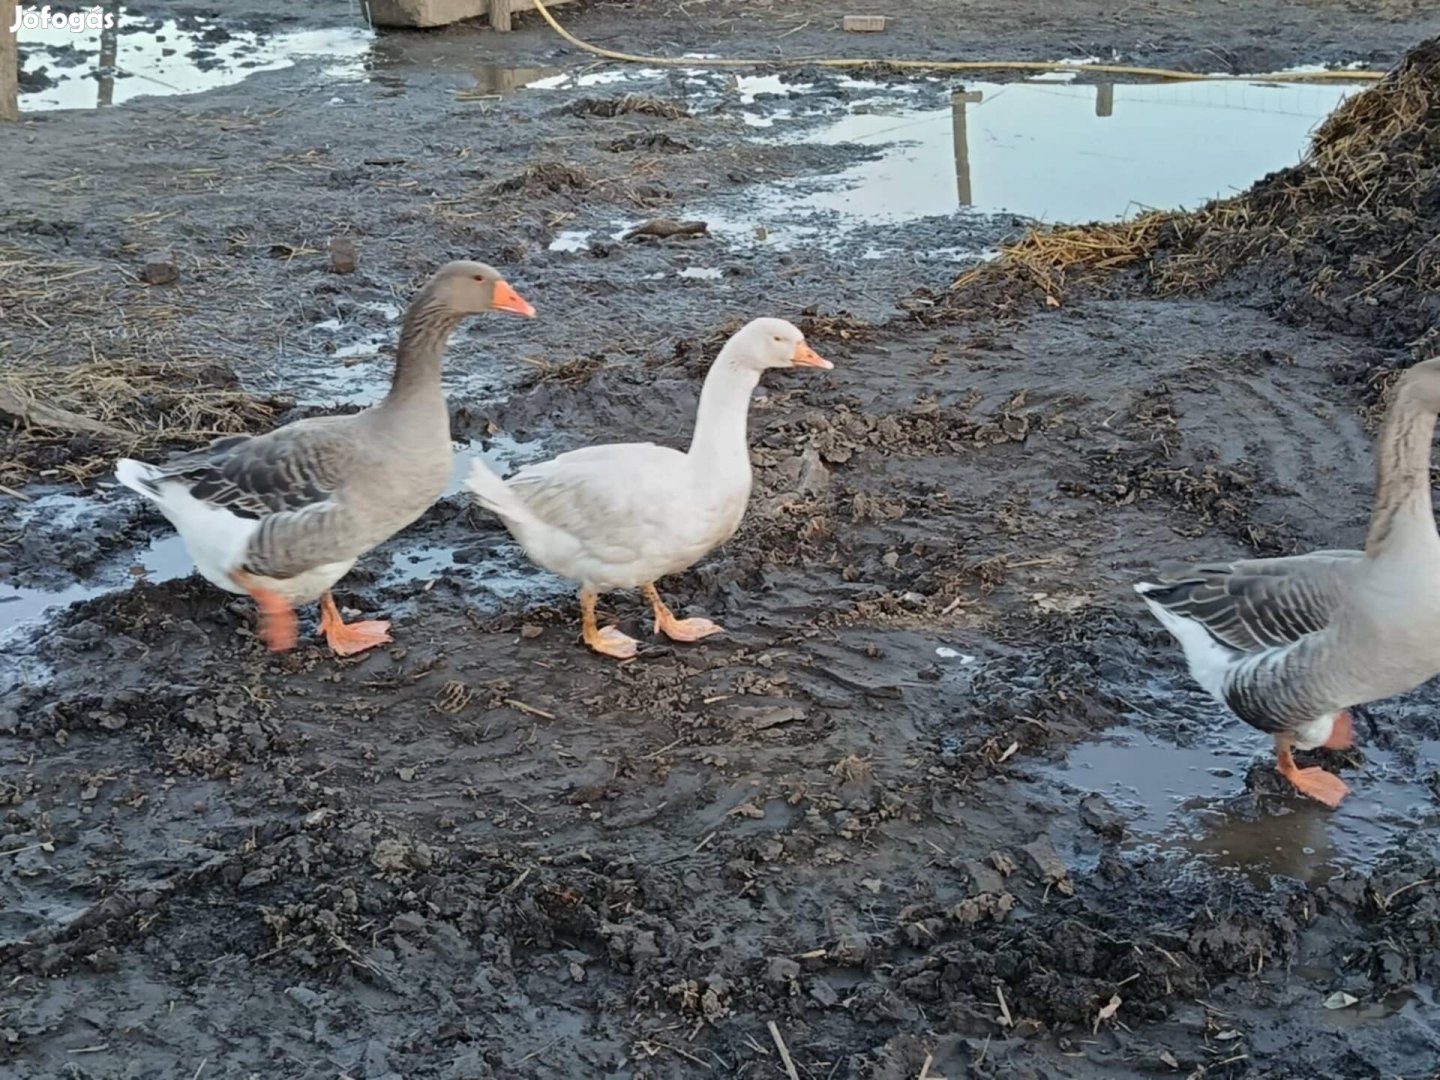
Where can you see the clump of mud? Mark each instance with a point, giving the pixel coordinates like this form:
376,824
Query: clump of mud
630,104
656,142
551,176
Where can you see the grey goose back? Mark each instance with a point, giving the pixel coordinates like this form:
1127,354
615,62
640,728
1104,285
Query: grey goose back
283,516
1290,645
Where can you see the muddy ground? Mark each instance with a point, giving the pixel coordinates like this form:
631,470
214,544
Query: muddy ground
483,852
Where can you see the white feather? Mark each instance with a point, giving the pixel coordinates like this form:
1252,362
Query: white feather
1209,661
1315,733
216,539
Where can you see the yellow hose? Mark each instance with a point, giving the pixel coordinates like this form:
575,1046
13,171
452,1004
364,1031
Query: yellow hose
953,65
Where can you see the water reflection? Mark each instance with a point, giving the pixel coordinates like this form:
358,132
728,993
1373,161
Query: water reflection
1193,798
1046,150
139,55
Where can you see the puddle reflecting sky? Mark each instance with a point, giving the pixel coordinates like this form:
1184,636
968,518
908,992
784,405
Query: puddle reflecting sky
141,56
1048,150
1180,797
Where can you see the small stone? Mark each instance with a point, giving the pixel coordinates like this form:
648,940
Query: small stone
343,256
390,854
982,879
160,268
1045,861
303,996
408,922
577,972
854,949
104,959
824,993
814,476
781,970
255,878
1097,814
530,631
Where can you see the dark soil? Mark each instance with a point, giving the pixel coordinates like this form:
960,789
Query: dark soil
485,852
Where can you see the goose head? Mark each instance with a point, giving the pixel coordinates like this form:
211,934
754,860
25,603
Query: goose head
773,343
473,288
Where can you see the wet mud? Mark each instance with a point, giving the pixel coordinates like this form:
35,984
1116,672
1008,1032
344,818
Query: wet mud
942,801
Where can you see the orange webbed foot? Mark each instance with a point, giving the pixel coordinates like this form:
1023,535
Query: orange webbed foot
347,639
687,629
678,629
1320,785
1342,735
611,642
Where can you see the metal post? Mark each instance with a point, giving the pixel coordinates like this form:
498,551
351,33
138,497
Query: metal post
958,101
1104,99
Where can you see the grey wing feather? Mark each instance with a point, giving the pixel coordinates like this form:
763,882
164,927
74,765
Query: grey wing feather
288,480
1256,604
1272,691
294,468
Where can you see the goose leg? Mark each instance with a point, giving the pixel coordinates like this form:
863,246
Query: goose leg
277,617
1317,783
609,641
1342,735
347,639
673,628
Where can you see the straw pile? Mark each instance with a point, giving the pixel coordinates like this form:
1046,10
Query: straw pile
91,366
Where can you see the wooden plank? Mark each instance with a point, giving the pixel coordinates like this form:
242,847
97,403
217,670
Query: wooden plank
418,14
863,24
421,14
9,64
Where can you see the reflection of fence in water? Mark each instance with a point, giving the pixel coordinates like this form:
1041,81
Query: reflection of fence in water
1310,102
109,46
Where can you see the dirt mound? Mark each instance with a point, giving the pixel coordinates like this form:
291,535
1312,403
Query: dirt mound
552,176
1349,238
630,104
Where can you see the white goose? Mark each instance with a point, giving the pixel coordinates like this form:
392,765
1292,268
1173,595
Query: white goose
284,516
1292,644
622,515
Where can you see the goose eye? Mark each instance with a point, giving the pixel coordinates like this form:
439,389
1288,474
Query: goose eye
479,277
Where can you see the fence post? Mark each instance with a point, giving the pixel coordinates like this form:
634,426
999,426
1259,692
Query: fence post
9,64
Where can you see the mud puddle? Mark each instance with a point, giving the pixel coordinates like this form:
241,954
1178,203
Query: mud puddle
163,559
1041,150
137,55
1191,797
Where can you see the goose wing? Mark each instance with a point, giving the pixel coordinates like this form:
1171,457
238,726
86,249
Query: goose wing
1252,605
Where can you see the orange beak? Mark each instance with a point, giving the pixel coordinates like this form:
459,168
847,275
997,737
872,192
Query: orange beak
808,357
504,298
